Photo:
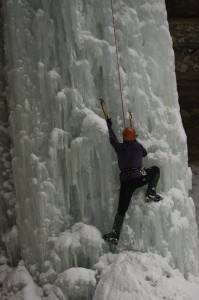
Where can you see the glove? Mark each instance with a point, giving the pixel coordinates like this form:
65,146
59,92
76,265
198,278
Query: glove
109,122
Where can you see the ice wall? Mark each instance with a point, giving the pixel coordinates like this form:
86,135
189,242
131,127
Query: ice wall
61,59
7,195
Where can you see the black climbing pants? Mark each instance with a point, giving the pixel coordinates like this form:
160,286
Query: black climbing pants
128,187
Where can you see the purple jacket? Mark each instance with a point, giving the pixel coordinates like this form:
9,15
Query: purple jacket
129,156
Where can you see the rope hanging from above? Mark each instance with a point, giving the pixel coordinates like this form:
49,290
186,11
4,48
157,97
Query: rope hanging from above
118,66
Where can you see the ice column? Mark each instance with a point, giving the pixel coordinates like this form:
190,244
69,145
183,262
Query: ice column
7,195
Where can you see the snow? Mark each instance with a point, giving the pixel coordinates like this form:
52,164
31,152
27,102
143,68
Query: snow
132,276
74,283
82,246
61,60
163,228
126,275
4,271
18,284
10,239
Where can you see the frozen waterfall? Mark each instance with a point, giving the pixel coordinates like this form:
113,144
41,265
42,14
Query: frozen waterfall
60,61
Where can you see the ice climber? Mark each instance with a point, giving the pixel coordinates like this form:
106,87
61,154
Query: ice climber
132,176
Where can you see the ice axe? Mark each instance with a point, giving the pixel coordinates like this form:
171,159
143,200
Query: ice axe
102,102
131,119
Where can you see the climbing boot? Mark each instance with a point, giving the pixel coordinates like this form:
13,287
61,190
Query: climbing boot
114,235
151,195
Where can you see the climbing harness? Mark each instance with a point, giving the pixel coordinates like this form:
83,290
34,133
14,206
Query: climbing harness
142,170
118,66
130,169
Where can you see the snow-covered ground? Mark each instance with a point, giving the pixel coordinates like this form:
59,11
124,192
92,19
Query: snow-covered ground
126,275
17,283
142,276
61,60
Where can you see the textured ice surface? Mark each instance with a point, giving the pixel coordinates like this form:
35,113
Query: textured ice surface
61,59
7,197
127,275
18,284
195,189
163,228
74,283
143,276
81,247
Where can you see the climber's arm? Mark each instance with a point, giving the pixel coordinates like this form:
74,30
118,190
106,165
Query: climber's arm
112,137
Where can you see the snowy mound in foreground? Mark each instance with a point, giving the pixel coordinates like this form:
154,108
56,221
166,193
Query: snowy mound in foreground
141,276
127,276
18,284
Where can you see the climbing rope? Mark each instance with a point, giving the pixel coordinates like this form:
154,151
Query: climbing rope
118,66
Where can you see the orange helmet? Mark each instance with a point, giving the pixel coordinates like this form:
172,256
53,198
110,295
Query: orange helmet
129,134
